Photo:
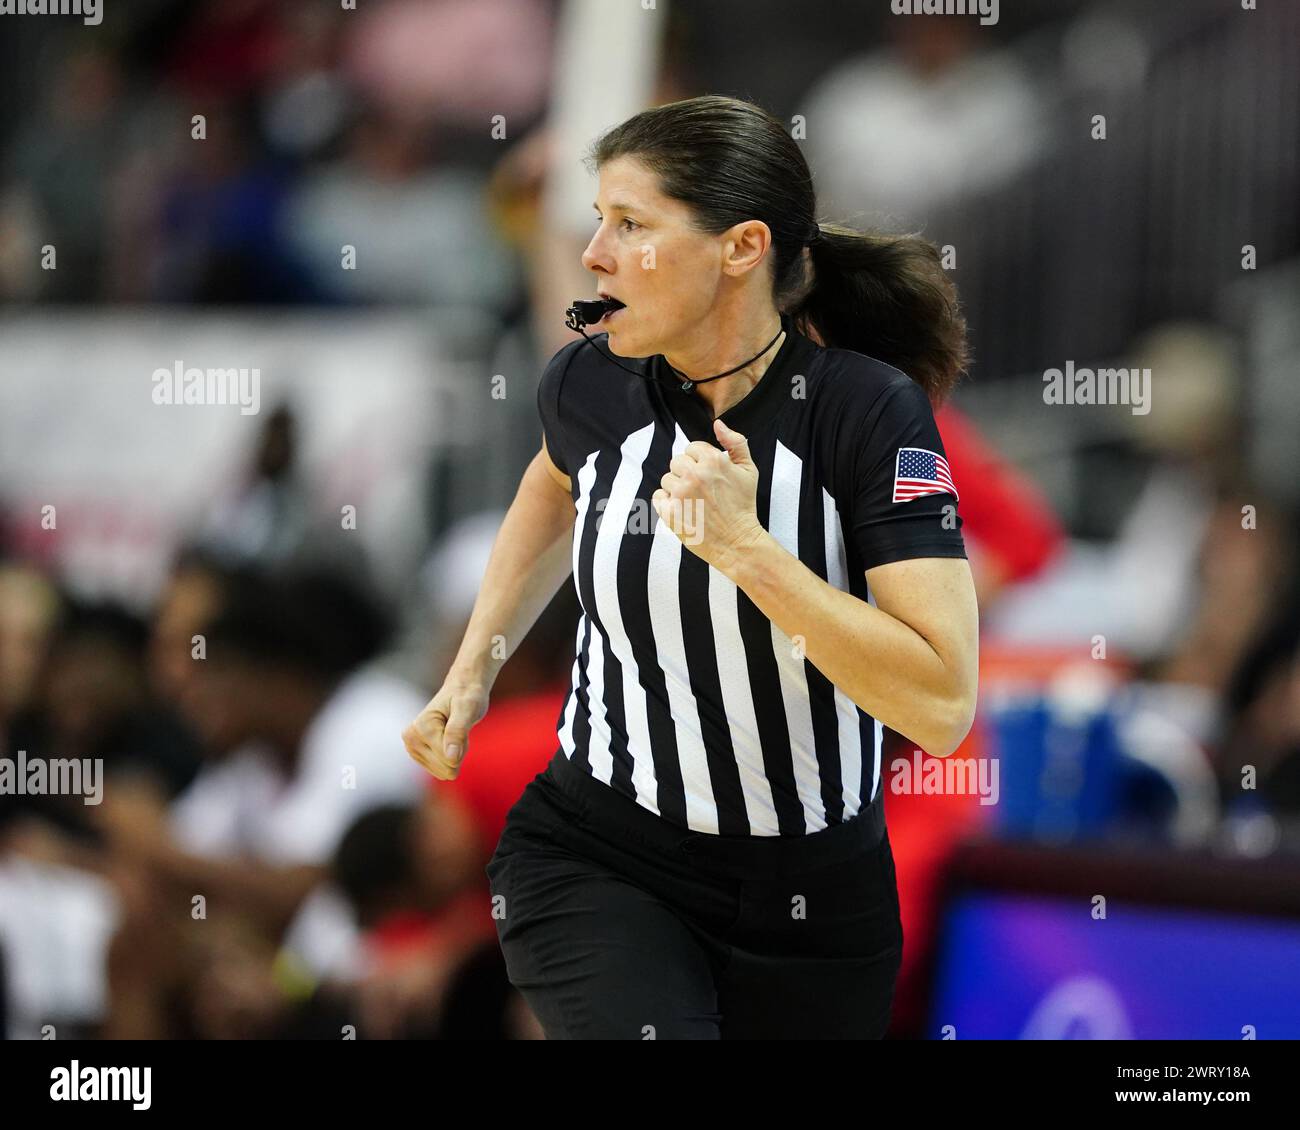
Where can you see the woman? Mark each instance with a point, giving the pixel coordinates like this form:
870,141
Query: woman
765,543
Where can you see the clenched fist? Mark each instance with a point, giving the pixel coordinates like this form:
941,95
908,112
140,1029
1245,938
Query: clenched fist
439,736
708,498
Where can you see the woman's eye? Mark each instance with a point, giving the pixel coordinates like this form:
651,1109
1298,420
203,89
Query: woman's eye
633,223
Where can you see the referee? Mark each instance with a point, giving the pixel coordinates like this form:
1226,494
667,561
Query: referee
743,474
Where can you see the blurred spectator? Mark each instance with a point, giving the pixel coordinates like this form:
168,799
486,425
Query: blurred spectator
305,737
220,228
93,701
455,63
191,597
1263,720
1182,538
1237,575
269,520
59,166
418,230
933,119
56,922
306,101
295,719
413,876
29,608
60,888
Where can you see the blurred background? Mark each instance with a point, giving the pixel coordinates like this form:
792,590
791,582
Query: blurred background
381,212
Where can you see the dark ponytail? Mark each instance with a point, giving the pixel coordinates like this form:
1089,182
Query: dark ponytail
887,296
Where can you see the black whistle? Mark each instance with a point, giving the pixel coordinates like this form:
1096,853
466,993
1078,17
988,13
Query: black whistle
588,311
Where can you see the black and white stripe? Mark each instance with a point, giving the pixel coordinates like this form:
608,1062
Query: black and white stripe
790,753
685,697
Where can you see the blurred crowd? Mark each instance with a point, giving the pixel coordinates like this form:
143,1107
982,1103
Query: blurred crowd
224,168
266,860
260,857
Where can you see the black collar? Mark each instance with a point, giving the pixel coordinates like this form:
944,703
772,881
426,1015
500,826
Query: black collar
762,403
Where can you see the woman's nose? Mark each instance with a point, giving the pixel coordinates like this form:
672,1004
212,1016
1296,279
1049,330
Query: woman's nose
595,254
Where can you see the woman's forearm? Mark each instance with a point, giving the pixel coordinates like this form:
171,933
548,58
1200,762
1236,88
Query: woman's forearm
530,559
886,667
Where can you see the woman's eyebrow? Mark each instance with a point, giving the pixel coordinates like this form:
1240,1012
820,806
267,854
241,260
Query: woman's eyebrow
616,206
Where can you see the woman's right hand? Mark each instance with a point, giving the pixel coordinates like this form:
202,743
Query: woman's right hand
439,736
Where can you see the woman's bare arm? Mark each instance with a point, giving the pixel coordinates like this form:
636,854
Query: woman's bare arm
912,661
530,559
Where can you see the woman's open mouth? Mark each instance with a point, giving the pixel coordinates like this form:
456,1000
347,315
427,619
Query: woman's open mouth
616,307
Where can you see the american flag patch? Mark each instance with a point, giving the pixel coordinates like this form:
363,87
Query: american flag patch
919,472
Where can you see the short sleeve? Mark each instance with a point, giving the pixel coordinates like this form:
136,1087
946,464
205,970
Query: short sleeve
548,406
904,501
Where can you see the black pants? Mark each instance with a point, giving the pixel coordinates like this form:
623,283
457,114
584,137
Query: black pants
616,924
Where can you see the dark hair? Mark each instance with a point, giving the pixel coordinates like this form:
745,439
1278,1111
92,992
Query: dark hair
884,295
101,619
312,620
373,860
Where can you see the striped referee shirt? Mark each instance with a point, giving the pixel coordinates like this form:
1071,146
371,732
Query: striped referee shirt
684,696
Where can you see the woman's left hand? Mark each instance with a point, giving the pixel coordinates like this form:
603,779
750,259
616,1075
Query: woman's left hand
708,498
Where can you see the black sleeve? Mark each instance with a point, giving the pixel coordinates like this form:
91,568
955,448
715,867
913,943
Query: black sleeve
548,405
884,530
